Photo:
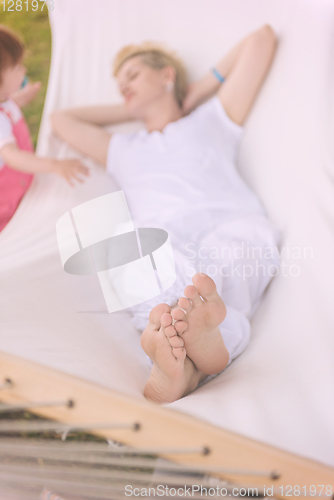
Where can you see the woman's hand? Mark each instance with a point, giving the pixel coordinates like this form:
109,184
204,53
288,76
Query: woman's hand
25,95
70,170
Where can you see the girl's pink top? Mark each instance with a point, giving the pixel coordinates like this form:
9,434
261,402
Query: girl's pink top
13,184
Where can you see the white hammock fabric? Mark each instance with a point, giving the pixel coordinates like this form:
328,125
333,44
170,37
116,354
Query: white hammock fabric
280,390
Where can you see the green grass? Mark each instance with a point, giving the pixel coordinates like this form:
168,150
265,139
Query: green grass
34,29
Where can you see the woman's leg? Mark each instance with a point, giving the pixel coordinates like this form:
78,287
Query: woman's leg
242,259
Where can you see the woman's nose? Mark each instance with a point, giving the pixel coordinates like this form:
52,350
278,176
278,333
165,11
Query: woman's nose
124,88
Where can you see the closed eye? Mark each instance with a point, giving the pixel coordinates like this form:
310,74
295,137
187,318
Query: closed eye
133,76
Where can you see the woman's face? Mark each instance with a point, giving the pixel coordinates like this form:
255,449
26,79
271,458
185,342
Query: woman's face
141,85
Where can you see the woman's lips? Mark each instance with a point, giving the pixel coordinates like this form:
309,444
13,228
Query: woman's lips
129,96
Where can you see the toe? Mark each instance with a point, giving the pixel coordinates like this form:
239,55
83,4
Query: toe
205,286
176,341
191,293
185,304
181,327
170,331
179,353
164,350
156,313
166,320
178,314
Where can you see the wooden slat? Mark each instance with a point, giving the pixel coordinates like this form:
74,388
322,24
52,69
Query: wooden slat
159,427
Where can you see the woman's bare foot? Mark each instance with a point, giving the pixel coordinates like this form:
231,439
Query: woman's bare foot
198,326
173,374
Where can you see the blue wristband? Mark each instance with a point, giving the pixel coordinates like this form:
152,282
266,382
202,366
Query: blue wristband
218,75
24,82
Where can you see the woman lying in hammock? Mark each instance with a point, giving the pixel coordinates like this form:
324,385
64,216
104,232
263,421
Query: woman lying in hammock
179,173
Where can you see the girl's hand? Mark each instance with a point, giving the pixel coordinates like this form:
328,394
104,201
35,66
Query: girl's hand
70,170
24,96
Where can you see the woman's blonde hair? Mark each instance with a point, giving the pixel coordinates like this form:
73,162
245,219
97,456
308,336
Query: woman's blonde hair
157,57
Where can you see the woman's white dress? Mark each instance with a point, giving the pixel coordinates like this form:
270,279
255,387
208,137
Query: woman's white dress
184,180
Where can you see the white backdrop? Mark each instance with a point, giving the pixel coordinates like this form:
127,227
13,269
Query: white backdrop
280,391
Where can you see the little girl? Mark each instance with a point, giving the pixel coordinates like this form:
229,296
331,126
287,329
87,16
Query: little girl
18,162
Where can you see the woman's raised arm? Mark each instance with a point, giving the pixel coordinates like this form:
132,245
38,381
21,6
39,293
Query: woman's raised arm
244,69
82,128
247,74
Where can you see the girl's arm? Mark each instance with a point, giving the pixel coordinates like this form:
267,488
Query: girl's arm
244,69
24,96
82,128
25,161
